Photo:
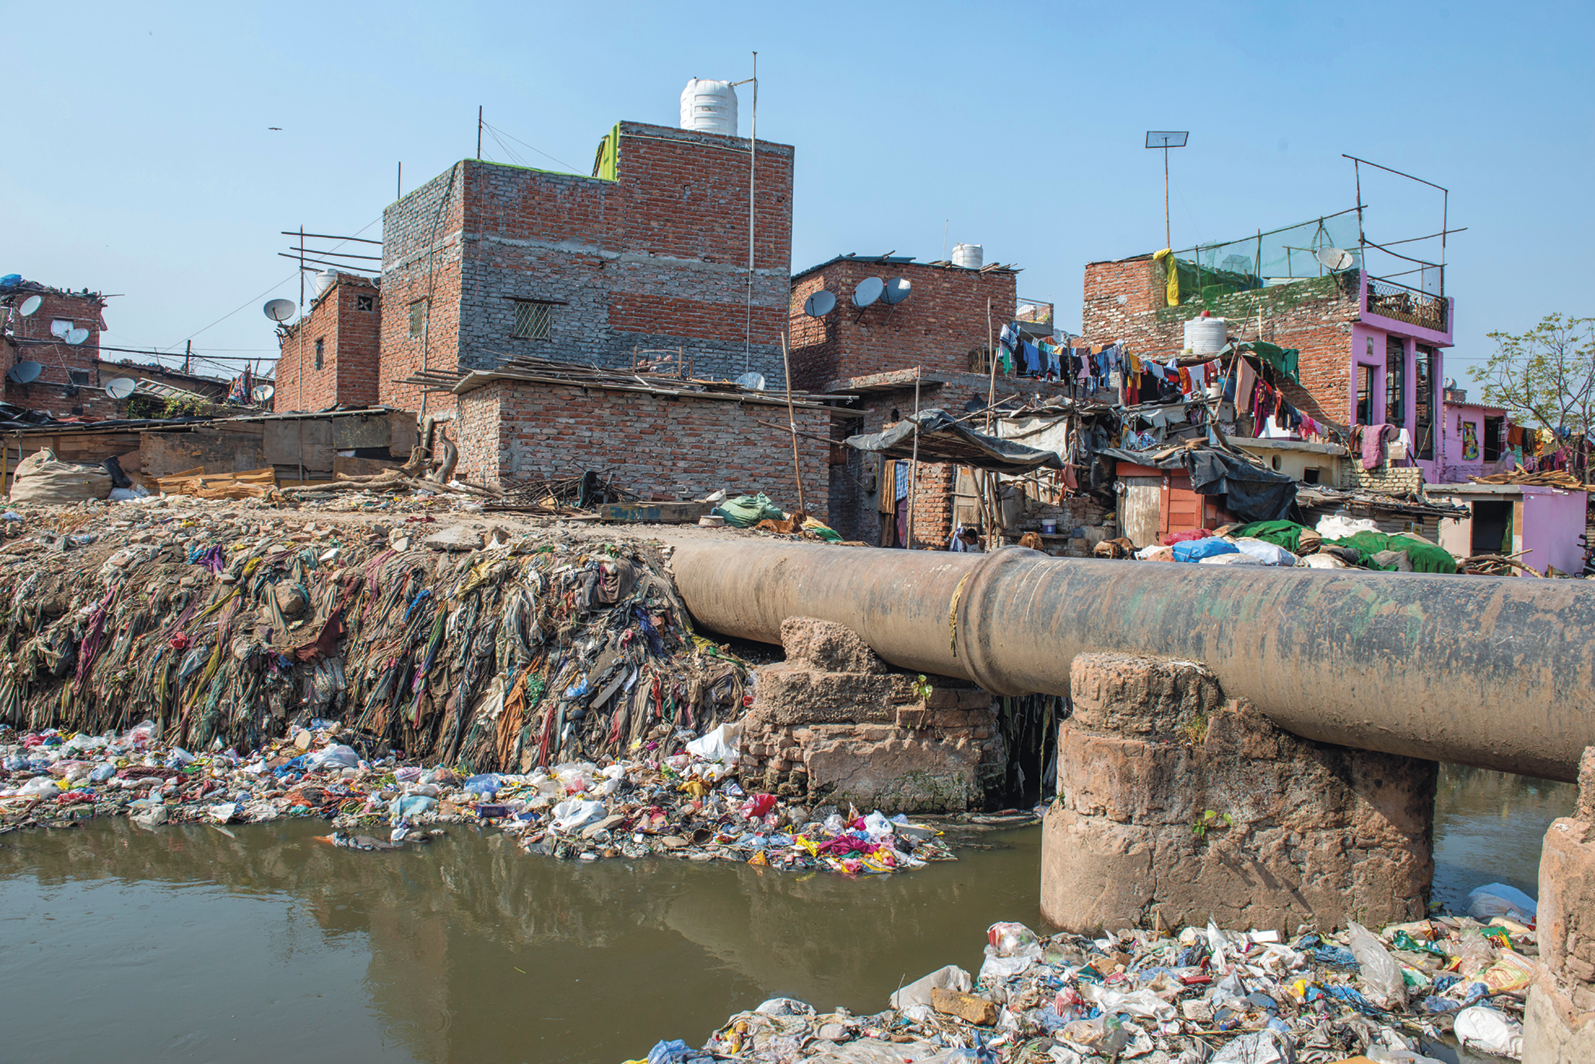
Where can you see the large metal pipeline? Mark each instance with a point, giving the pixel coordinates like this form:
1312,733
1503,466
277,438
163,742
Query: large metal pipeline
1493,672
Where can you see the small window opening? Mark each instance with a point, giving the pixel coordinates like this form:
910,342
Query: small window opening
366,303
319,351
533,320
417,319
1310,475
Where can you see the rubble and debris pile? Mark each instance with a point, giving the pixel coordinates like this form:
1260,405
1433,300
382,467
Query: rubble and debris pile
1201,995
227,630
686,805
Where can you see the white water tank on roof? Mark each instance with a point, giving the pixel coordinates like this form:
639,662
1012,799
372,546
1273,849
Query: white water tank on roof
709,107
1206,336
969,256
321,283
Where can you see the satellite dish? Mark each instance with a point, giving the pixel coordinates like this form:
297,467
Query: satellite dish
120,388
819,304
868,291
60,327
754,382
25,372
280,309
897,290
1335,258
77,336
263,392
28,306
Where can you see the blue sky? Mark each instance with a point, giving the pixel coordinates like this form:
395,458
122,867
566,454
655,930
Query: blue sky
140,162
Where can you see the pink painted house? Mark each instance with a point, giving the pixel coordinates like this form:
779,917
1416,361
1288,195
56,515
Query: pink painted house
1398,347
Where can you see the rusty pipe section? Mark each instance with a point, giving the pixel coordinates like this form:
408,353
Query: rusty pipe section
1493,672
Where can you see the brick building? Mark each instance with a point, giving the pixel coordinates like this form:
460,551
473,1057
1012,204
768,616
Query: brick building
941,326
935,339
487,262
68,384
330,356
1371,349
512,426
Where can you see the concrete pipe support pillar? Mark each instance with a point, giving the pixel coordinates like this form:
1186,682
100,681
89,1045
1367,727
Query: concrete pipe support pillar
1177,805
1559,1022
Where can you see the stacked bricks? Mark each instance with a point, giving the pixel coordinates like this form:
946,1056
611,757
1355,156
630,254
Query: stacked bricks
512,430
655,260
347,320
944,320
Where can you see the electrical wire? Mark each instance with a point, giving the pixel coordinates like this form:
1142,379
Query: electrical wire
544,154
267,292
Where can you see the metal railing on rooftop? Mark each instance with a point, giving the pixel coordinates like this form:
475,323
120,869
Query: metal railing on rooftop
1411,305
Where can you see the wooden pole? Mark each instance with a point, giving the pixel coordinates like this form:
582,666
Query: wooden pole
913,467
791,416
991,402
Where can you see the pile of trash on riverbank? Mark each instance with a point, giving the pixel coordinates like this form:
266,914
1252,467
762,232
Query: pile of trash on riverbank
428,640
1222,997
686,805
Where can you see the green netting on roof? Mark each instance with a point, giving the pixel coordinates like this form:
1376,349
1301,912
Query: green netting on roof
1278,256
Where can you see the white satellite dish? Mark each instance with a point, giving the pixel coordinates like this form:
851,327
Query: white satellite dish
262,393
280,309
30,305
868,291
1335,258
819,304
77,336
25,372
120,388
754,382
897,290
61,327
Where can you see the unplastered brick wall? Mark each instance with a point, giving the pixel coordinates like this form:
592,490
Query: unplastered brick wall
1315,316
421,241
655,261
941,322
346,321
512,430
32,340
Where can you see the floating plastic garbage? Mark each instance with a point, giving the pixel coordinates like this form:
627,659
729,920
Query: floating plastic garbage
1497,899
1489,1030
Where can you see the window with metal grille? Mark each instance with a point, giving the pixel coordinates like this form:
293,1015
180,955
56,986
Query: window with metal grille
319,350
533,319
417,319
367,303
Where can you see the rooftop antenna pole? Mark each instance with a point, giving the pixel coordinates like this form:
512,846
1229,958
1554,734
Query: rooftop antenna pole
1166,139
188,355
300,339
478,132
753,156
398,186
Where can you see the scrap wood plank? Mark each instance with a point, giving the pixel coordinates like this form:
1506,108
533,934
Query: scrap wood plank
653,513
252,483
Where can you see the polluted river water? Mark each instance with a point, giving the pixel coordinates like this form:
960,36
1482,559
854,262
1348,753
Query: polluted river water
191,944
